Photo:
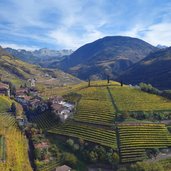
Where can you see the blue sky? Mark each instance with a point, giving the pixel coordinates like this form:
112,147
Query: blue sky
69,24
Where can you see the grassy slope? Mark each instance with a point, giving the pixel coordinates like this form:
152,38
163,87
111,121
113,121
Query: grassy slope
19,72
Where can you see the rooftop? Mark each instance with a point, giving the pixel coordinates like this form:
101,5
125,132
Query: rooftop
63,168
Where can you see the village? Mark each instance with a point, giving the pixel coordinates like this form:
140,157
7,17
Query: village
33,104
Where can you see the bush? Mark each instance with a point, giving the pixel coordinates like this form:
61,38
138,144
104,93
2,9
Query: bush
70,159
70,142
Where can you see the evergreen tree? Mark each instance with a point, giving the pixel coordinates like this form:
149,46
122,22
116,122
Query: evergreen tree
13,108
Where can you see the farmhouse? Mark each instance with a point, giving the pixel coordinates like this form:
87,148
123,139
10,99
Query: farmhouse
4,89
63,168
32,82
56,99
63,110
21,92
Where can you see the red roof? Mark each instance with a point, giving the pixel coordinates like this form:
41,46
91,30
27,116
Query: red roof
4,86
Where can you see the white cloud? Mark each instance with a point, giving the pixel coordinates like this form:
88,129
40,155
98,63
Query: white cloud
159,34
67,39
154,34
17,46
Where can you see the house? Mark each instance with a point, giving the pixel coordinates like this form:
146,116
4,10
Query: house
4,89
65,114
63,168
56,99
61,111
42,145
67,105
32,82
21,92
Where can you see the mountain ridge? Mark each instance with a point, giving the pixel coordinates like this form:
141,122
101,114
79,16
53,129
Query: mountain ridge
154,69
43,57
110,55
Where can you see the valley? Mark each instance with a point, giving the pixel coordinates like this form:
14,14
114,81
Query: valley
62,121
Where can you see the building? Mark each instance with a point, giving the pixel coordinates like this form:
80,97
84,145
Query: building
63,168
32,82
61,111
67,105
4,89
56,99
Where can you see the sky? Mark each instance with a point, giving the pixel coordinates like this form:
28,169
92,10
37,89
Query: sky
69,24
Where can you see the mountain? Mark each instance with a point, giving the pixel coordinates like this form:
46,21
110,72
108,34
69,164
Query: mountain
107,56
161,46
43,57
18,72
154,69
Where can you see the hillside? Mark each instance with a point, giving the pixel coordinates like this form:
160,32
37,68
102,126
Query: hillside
154,69
123,119
13,144
109,55
43,57
18,72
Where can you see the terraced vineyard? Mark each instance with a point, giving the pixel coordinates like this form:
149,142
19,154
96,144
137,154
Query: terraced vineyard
15,148
5,103
131,99
135,138
95,106
43,121
94,134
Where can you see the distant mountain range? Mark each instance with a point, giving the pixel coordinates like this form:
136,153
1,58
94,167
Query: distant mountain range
154,69
43,57
122,58
106,56
161,46
18,72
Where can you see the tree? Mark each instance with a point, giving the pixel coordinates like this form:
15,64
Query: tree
70,143
70,159
13,108
93,156
108,79
89,82
12,89
115,158
76,147
121,83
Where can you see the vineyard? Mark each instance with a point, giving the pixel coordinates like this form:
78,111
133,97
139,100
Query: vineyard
43,121
5,103
135,138
15,148
131,99
94,134
95,106
95,121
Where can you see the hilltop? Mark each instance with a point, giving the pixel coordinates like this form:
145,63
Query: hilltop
107,56
18,72
154,69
